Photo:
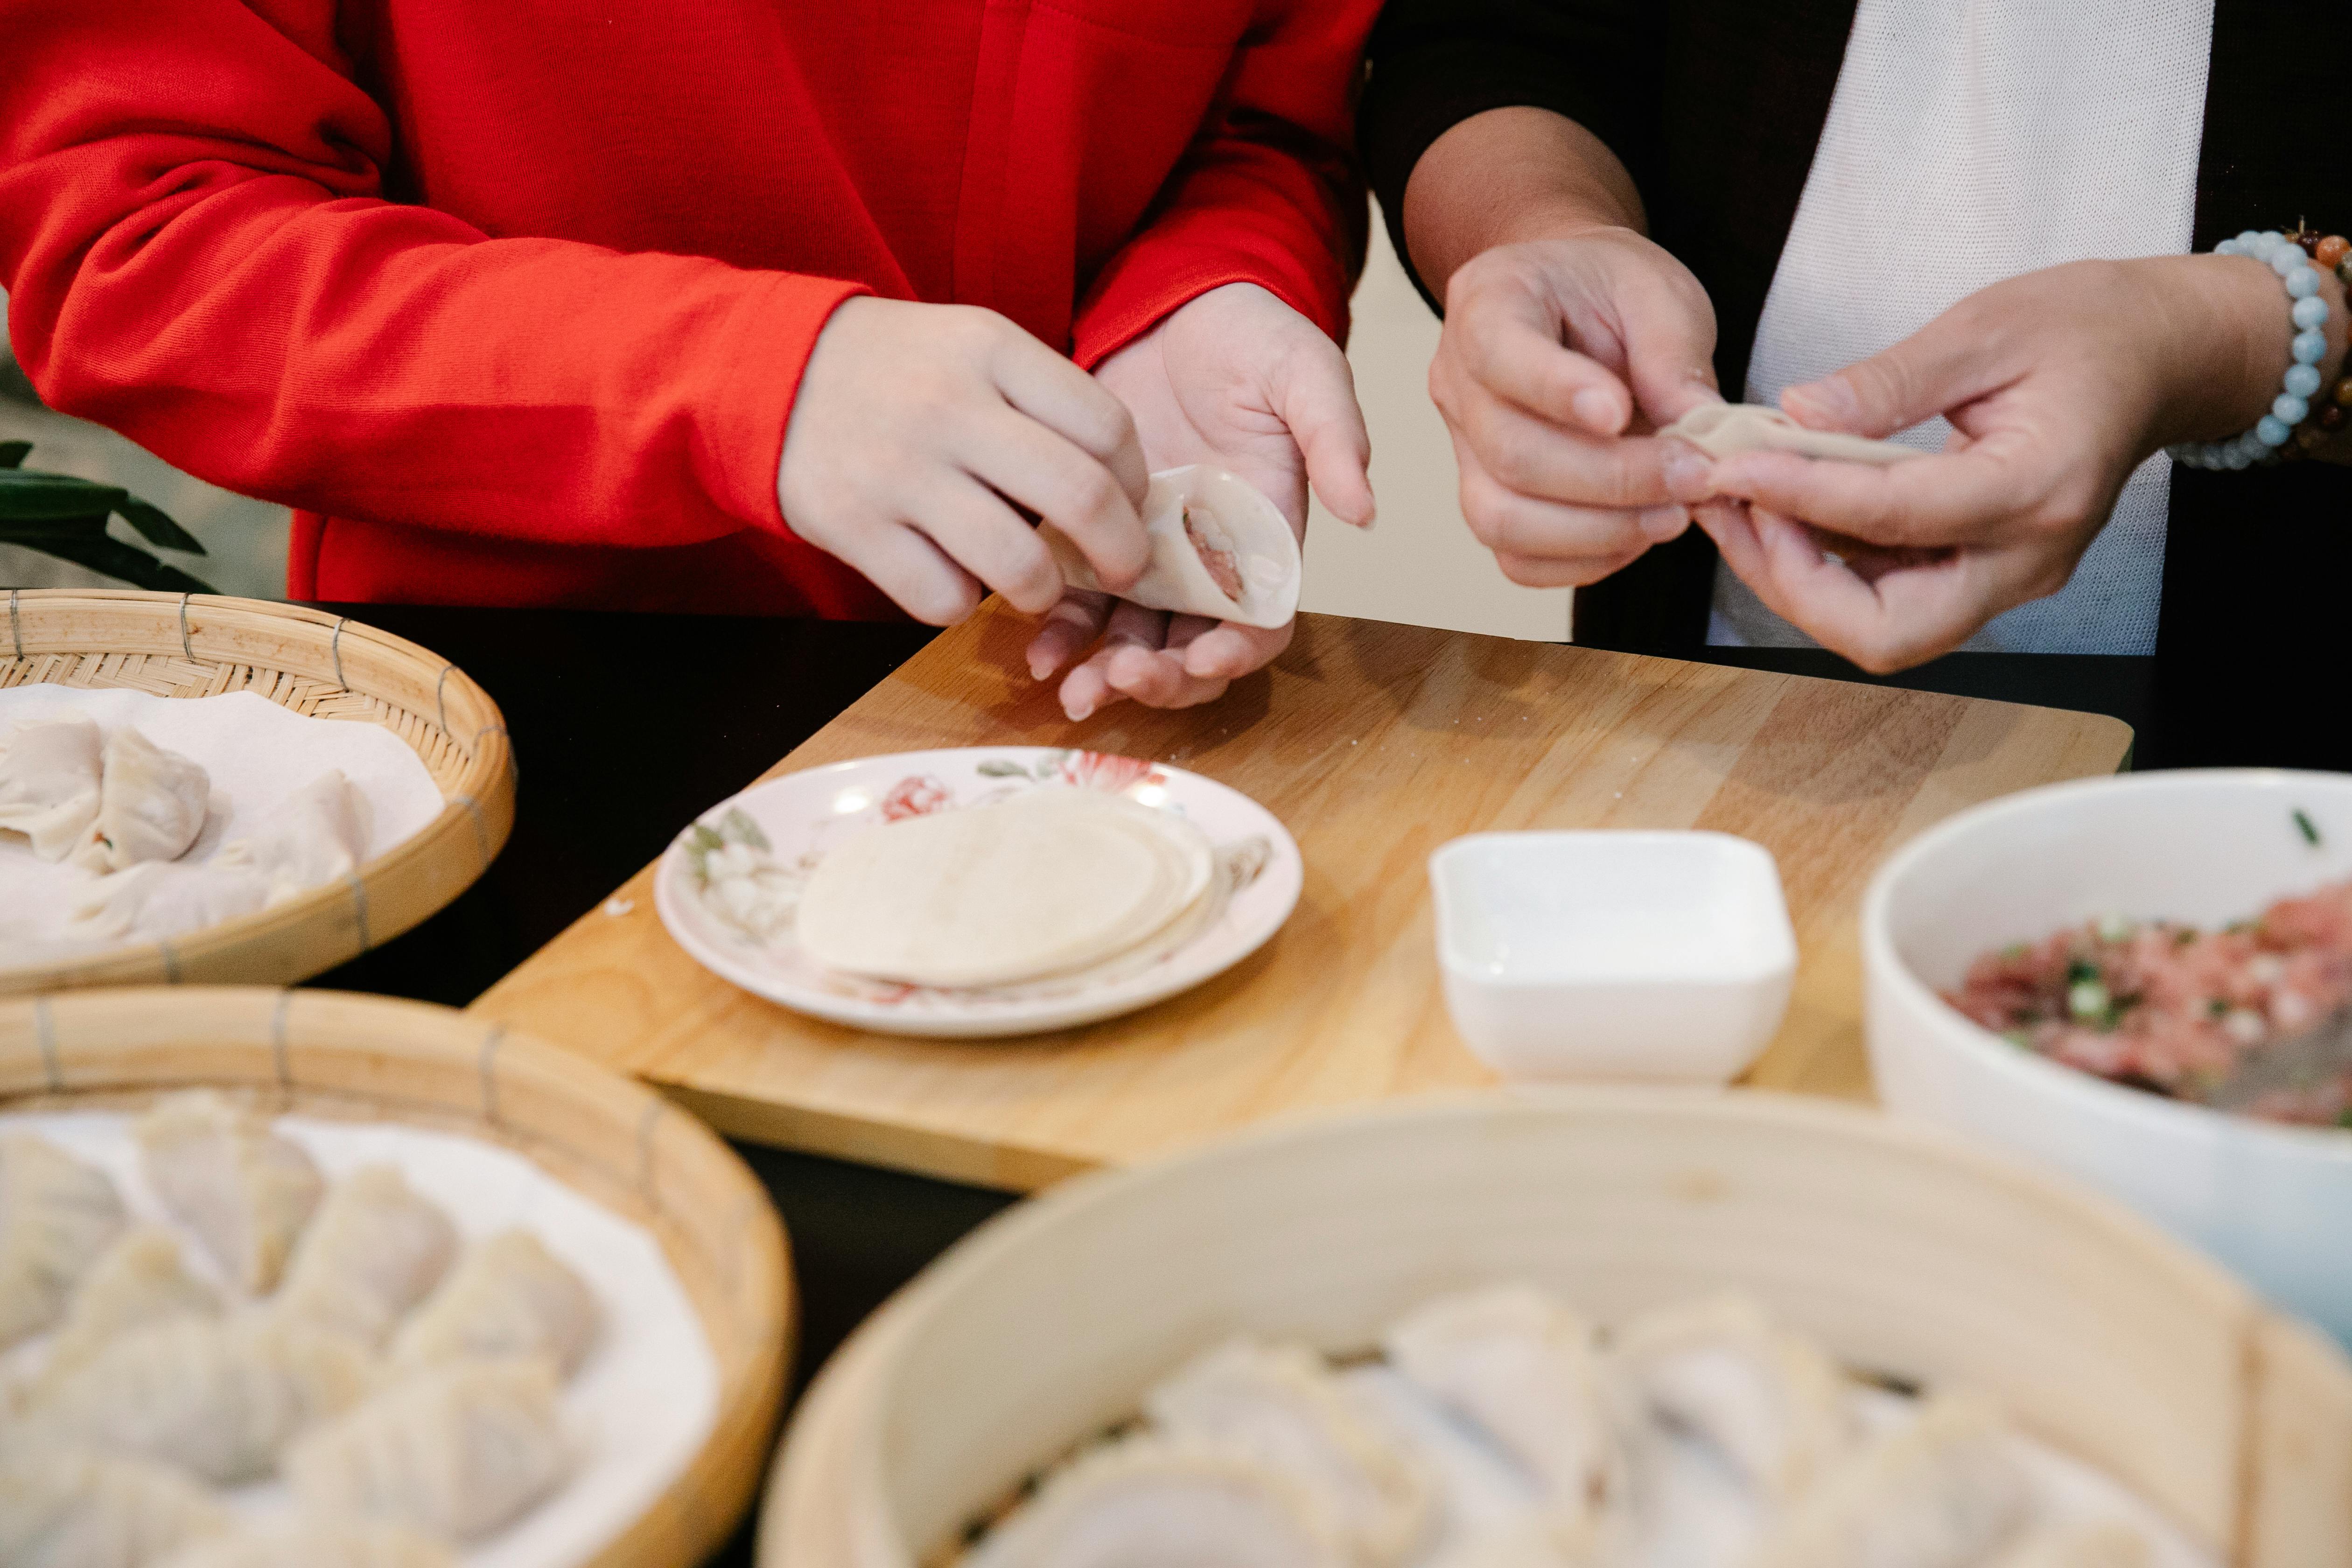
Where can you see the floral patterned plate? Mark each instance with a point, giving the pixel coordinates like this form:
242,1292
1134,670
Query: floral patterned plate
730,885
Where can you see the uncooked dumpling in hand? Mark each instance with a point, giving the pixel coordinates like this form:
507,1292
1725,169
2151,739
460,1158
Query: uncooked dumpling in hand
136,1283
243,1189
81,1510
49,781
459,1451
317,1543
150,805
371,1252
56,1215
508,1296
217,1399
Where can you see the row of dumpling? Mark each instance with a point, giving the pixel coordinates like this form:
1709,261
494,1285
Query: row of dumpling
406,1394
119,805
1266,1456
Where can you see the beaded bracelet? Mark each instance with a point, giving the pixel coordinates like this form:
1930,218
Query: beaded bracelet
2309,314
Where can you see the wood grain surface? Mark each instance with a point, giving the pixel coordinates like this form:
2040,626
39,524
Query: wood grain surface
1374,744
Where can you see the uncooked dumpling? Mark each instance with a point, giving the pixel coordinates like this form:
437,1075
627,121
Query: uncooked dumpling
49,772
82,1510
1050,881
508,1296
136,1282
1159,1502
243,1189
2104,1544
1281,1406
217,1398
317,1543
1522,1366
373,1250
1725,429
157,899
1947,1491
150,805
459,1451
1219,548
318,835
1768,1401
57,1216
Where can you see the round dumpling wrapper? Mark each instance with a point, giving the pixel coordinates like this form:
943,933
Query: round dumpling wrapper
1052,880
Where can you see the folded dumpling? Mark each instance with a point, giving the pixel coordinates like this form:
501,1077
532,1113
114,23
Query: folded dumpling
317,1543
158,899
49,772
373,1250
138,1281
81,1510
1946,1490
150,805
57,1216
459,1451
1161,1500
219,1399
1522,1367
245,1191
1768,1401
1281,1404
318,835
508,1296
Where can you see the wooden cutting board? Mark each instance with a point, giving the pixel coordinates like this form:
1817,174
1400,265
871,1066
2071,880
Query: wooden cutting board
1374,744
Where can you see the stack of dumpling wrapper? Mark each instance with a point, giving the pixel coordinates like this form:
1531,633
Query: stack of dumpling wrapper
404,1388
129,812
1051,883
1503,1432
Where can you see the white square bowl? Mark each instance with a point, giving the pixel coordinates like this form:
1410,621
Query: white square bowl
1612,954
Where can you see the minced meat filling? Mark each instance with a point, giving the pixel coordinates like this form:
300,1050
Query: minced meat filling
1224,566
2174,1009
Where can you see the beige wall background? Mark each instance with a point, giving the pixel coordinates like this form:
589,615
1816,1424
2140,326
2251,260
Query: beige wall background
1418,565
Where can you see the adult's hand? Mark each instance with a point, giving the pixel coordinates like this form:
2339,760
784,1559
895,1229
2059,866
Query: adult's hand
919,429
1559,355
2057,384
1236,378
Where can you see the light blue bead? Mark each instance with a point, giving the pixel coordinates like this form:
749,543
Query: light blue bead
2227,248
2289,410
2248,239
2301,283
2303,380
2310,348
2310,313
2238,459
2289,259
2272,431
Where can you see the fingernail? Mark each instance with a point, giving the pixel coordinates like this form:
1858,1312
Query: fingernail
1690,473
1828,402
1596,410
1660,523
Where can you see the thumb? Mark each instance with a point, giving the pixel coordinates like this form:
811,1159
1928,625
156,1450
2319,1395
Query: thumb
1318,403
1941,367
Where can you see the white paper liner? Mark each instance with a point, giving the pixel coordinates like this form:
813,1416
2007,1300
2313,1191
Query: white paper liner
637,1411
257,753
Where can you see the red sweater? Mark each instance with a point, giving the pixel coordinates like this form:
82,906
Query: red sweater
510,301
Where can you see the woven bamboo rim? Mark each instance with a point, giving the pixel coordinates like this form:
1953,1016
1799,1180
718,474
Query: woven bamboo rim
334,1054
323,665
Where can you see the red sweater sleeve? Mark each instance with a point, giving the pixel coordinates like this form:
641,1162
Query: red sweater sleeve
1269,194
198,255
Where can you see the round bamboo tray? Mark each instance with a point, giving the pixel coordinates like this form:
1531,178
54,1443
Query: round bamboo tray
332,1054
1906,1251
200,644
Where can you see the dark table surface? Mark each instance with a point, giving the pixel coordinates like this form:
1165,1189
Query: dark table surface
710,704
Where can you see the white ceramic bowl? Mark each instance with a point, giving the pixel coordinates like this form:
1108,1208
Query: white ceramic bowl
2274,1203
1612,954
1900,1247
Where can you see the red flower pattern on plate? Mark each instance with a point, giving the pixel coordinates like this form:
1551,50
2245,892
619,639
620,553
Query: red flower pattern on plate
1108,770
918,795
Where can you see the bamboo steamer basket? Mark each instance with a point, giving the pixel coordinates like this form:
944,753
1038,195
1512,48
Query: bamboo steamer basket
323,665
1903,1250
370,1058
